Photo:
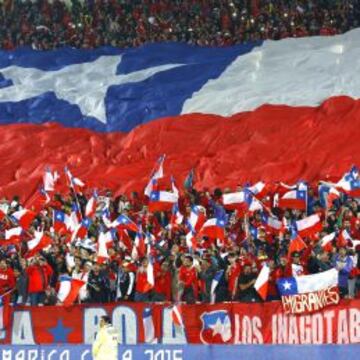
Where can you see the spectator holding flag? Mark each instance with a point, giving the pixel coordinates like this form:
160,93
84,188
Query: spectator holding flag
344,264
188,279
82,273
216,270
143,288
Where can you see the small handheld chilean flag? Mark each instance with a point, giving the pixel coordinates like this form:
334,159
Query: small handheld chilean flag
125,239
259,189
294,199
24,218
82,229
350,183
158,173
176,217
61,221
124,222
214,283
271,223
38,243
139,242
327,241
102,246
69,289
162,200
191,241
38,201
159,168
252,203
73,180
327,194
234,201
90,207
197,218
12,236
296,242
309,225
343,238
214,229
50,180
262,282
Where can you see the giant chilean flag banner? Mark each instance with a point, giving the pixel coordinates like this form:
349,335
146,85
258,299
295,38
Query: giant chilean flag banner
229,323
109,113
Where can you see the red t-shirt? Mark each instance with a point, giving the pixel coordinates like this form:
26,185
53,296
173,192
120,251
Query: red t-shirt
163,284
188,276
39,277
233,275
142,284
7,280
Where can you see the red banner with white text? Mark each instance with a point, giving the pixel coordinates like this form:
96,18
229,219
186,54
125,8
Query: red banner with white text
228,323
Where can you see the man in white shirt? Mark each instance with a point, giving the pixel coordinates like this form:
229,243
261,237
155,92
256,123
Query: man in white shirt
106,343
296,266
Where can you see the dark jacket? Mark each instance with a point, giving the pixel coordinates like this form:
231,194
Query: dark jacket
207,278
315,265
98,287
125,285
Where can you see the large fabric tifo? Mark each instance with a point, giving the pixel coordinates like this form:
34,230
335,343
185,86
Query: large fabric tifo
271,143
106,89
284,117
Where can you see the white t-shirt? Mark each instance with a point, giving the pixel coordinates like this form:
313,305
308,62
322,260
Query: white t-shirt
106,344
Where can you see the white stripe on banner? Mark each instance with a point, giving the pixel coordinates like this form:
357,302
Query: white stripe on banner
1,314
316,282
319,67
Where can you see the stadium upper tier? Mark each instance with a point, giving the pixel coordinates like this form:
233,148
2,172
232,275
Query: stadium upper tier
127,23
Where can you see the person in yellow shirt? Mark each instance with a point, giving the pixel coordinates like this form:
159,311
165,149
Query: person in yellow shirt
106,343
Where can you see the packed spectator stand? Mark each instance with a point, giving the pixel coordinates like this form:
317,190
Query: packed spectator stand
185,262
113,243
44,24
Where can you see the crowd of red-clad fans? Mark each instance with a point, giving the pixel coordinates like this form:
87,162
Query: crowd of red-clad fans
45,24
159,247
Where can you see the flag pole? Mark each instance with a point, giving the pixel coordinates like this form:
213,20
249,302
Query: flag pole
71,186
7,292
162,159
262,203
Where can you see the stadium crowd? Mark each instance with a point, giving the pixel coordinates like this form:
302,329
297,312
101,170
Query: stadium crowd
45,24
182,269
